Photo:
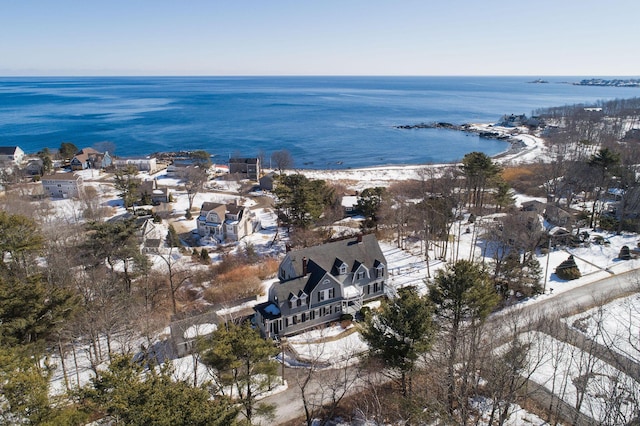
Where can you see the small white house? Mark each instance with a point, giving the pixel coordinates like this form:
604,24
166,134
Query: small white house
62,185
11,154
141,163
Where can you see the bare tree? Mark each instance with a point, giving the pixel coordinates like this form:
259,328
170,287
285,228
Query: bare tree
176,276
194,179
282,160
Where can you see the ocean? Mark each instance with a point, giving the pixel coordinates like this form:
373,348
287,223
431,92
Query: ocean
325,122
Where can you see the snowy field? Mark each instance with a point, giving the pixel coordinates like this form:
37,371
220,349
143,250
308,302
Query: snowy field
615,325
597,389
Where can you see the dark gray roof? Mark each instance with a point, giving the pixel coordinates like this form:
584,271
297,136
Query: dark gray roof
236,160
325,259
348,251
8,150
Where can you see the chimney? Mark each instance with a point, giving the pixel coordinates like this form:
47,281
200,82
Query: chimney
304,266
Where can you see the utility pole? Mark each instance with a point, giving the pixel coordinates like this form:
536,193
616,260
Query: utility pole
546,271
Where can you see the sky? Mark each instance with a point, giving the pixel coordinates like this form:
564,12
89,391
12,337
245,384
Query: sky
321,37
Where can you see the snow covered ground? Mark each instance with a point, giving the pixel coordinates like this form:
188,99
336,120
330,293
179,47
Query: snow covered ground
407,267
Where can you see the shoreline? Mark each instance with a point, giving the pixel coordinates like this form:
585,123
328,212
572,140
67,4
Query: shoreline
523,148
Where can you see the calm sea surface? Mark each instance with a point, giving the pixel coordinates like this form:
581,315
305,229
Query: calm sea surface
325,122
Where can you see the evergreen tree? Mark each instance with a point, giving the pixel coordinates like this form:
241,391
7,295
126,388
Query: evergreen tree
478,169
67,150
47,163
128,394
127,183
24,387
116,242
464,297
369,203
240,359
173,239
20,241
301,201
400,332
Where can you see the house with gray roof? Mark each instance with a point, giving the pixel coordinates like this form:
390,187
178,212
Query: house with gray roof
317,285
11,155
225,222
248,168
62,185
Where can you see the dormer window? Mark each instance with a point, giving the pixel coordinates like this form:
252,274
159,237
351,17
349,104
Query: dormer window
380,271
293,301
343,269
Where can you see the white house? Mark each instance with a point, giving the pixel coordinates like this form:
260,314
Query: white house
143,164
62,185
11,154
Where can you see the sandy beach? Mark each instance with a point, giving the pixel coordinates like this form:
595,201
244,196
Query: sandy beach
524,148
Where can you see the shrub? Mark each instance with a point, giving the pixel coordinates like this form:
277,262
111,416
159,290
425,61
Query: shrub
346,317
568,270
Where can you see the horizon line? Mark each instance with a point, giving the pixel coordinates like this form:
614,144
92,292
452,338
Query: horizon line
71,75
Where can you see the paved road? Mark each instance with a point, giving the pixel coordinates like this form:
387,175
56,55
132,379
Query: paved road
289,403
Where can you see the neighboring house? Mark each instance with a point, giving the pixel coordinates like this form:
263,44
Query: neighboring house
349,204
512,120
34,167
558,216
11,154
178,167
319,284
89,158
534,206
266,181
247,167
151,236
148,190
143,164
62,185
225,222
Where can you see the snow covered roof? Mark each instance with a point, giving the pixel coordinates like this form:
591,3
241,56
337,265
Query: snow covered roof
199,330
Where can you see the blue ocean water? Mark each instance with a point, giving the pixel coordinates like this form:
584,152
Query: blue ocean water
325,122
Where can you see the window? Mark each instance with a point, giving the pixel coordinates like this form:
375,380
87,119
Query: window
299,303
312,315
360,275
380,271
343,269
326,294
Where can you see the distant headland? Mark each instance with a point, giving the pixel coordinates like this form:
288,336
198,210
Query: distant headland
616,82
